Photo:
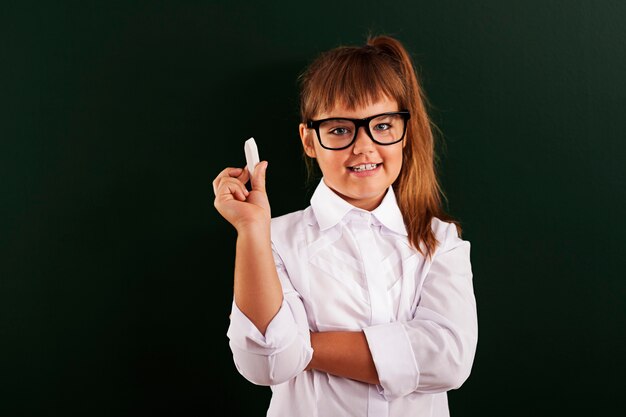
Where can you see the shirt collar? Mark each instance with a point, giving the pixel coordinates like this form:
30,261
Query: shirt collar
329,209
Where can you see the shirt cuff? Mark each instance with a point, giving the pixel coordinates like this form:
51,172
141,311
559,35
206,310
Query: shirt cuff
279,334
393,357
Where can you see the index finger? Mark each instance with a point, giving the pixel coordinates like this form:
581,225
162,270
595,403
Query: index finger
240,173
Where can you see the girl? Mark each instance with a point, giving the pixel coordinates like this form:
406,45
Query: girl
361,304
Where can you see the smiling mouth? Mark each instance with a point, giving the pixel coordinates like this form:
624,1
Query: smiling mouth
364,167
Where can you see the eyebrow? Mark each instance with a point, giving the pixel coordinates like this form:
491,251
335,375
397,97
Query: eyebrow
358,118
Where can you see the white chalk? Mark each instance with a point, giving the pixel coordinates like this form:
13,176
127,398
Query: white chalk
252,154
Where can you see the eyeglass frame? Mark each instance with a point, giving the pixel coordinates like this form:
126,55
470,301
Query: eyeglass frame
365,122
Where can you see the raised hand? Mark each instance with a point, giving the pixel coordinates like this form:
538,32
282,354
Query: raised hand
240,207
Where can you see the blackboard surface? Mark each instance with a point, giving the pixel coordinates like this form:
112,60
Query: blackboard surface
116,271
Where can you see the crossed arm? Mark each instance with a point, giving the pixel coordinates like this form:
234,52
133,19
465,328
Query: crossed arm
258,294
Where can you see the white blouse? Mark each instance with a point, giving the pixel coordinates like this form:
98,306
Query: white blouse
343,268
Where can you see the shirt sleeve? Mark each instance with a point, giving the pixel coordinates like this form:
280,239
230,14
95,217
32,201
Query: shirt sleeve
285,349
434,351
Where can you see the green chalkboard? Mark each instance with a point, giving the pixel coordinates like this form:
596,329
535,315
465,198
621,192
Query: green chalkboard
116,270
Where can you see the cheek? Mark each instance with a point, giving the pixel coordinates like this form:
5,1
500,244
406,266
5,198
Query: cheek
393,161
329,162
394,157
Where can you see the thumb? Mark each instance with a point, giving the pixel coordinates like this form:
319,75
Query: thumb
258,179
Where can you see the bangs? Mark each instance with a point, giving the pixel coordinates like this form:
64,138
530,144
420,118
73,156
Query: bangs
353,77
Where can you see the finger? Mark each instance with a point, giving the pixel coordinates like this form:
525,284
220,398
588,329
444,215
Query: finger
229,188
225,173
238,192
244,176
230,172
258,179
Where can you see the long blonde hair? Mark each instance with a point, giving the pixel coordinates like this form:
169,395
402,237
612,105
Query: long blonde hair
359,75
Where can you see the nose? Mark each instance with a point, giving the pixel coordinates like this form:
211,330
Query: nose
363,143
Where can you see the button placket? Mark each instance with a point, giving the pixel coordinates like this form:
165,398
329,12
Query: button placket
373,270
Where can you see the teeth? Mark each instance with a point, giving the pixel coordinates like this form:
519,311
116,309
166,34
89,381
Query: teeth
364,167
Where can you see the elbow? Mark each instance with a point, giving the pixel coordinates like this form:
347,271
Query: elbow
449,368
260,374
457,375
452,374
273,369
459,365
266,375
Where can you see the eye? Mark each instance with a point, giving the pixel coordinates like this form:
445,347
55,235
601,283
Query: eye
339,131
382,126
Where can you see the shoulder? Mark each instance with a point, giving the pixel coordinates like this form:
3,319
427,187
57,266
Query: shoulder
442,228
287,221
447,235
288,226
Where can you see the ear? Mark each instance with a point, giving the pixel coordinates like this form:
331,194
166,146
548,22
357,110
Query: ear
306,136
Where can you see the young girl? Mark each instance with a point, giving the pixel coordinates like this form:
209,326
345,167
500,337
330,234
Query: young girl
362,303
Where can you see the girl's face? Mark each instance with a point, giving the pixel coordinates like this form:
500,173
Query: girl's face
366,186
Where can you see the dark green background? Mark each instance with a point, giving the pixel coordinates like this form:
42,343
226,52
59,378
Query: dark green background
116,270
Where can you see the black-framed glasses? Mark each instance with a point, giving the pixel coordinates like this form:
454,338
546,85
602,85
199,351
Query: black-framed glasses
338,133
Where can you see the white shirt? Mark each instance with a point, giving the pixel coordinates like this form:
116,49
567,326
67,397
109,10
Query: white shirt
343,268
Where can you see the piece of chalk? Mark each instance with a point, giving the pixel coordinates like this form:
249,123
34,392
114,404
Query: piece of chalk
252,154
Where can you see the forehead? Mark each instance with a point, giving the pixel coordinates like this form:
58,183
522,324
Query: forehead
358,111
